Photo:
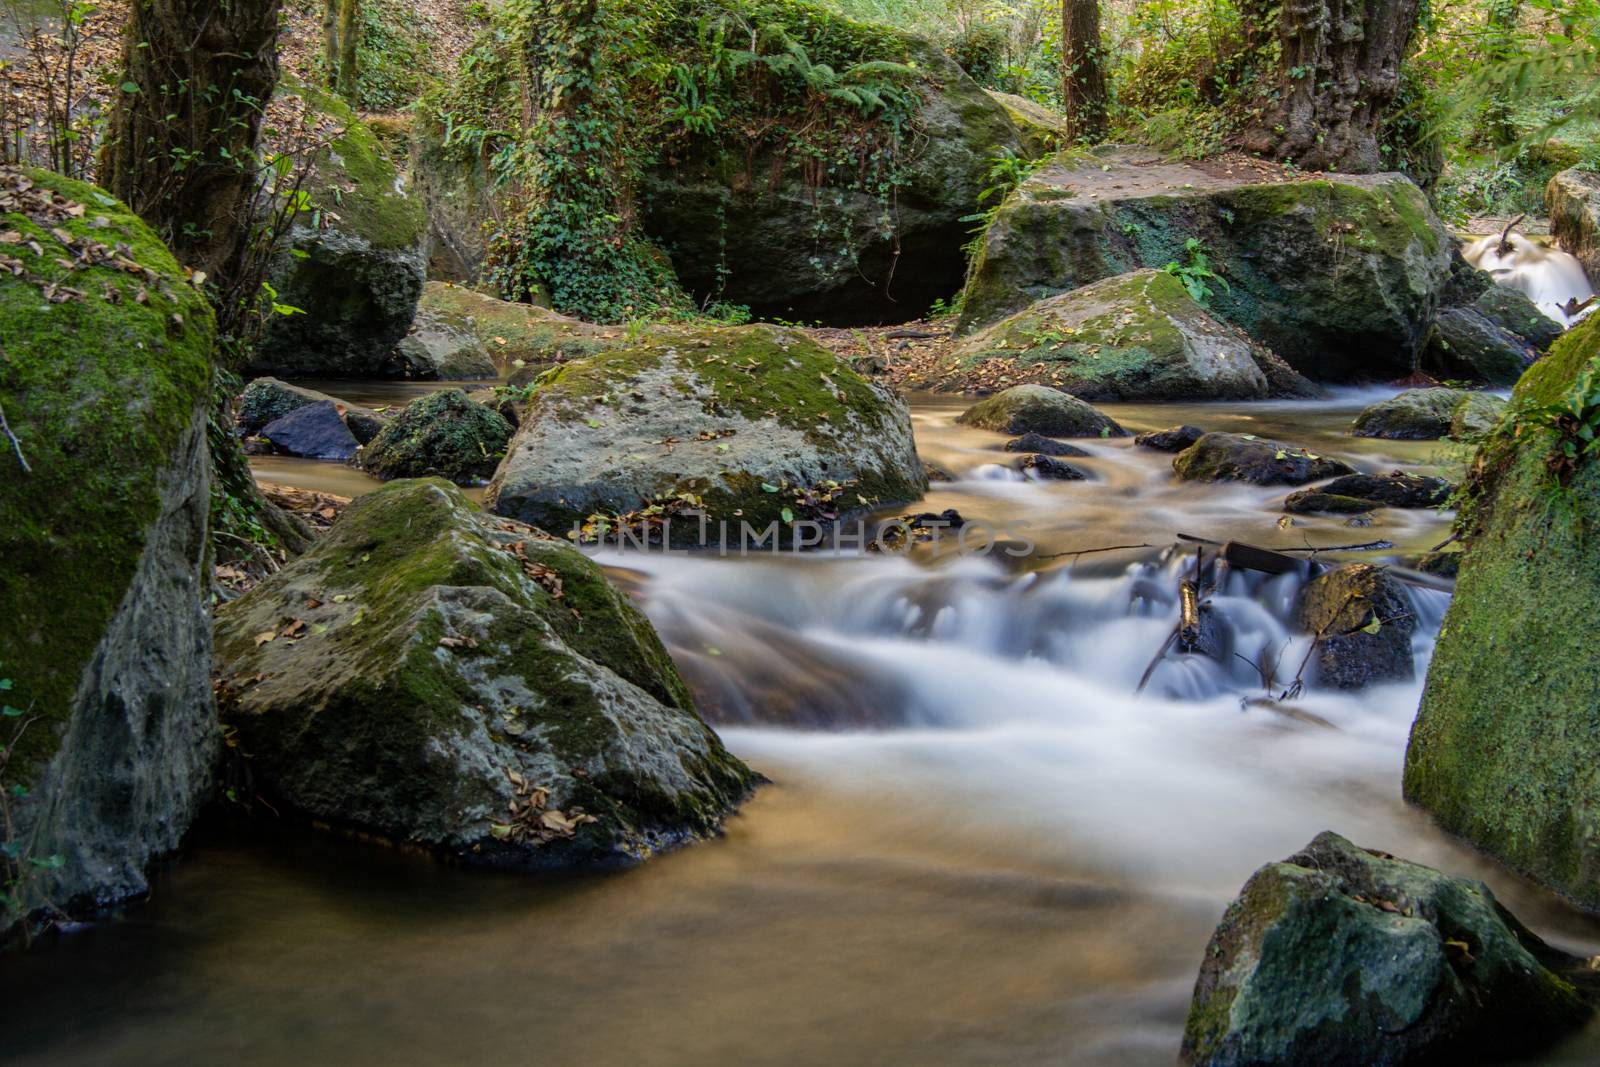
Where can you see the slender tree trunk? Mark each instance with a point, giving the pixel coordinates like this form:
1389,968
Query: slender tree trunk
1083,80
349,41
183,138
330,42
1338,73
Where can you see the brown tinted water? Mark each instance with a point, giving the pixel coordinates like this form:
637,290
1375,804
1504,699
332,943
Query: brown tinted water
998,854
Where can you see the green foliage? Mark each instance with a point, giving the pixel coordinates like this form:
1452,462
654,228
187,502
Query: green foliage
1196,274
393,56
626,86
981,51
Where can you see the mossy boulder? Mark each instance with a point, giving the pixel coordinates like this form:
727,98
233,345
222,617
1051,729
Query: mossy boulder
1363,492
354,263
1237,457
1340,276
1172,439
1428,415
1344,955
1505,750
444,434
105,644
745,423
1512,309
266,400
1572,199
864,235
460,679
1362,620
456,188
1039,409
1468,344
1043,129
1136,337
526,338
1476,416
437,351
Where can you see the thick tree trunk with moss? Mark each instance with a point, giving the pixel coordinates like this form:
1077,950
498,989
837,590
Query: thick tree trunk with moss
1338,73
1083,80
349,42
330,43
182,151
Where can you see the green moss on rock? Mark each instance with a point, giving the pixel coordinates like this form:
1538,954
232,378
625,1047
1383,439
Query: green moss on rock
1024,409
1341,277
99,394
449,650
1506,747
1134,337
1340,955
742,422
443,434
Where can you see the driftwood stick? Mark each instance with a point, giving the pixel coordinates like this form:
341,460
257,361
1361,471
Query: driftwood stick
1505,235
5,427
1155,662
1094,551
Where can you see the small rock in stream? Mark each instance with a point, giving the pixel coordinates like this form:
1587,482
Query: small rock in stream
1172,439
313,432
1041,445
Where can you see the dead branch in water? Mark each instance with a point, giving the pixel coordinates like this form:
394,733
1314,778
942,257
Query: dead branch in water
1504,247
5,427
1094,551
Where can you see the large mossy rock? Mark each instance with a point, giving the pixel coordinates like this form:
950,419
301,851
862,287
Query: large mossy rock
105,642
1572,200
1238,457
455,666
1043,129
1039,409
1136,337
874,236
1429,414
354,264
1506,747
1342,955
521,336
445,435
744,423
1341,276
438,351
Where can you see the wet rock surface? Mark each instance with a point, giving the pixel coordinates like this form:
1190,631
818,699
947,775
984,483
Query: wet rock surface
1236,457
1039,409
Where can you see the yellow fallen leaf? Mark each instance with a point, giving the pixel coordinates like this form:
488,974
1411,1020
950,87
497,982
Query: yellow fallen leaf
270,635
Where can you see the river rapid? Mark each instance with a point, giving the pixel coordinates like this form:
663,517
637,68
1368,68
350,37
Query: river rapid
980,845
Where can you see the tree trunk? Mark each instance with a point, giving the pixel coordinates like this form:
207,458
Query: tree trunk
1083,80
182,149
330,42
1338,72
349,41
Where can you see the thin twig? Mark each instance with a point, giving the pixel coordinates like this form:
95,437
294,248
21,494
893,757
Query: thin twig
6,428
1094,551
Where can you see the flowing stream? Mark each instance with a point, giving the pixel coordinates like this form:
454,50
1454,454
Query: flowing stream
981,845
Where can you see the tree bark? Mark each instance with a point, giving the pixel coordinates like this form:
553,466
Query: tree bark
349,42
182,151
1338,73
330,42
1083,80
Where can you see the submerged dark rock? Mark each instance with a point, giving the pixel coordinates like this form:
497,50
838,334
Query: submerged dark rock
1172,439
1040,445
1344,955
1047,469
1363,622
1247,458
1363,492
